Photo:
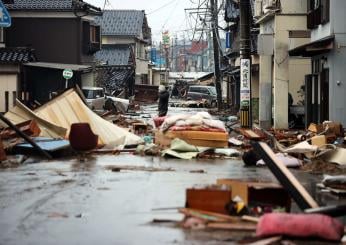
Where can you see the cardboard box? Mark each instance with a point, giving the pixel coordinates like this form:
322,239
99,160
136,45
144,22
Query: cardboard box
258,194
212,199
201,138
315,128
319,140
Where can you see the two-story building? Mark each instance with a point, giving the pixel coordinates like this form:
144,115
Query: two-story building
128,27
11,64
325,86
63,35
280,74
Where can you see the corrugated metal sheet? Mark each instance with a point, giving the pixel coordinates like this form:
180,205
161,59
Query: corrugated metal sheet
68,108
20,113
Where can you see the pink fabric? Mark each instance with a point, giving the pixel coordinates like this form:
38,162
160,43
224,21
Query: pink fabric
300,225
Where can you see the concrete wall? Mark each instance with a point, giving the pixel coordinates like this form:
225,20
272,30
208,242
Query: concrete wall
8,91
293,6
283,24
337,75
141,66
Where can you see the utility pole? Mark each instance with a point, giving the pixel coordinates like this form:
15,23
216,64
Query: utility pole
176,53
245,64
184,57
172,55
217,73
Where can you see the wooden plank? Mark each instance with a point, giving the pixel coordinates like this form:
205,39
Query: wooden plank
211,216
285,177
233,226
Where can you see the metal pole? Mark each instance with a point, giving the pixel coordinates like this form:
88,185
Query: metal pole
214,26
25,137
245,64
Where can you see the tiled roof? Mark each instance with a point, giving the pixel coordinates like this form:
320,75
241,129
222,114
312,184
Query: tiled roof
56,5
121,22
114,54
16,55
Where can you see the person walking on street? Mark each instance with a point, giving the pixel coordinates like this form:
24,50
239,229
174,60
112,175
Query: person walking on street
163,101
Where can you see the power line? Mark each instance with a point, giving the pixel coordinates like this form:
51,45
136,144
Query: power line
163,6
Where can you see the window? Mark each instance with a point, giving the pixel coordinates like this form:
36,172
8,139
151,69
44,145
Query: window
91,38
94,34
318,13
162,77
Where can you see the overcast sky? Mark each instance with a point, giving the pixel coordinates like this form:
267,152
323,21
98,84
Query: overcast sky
161,14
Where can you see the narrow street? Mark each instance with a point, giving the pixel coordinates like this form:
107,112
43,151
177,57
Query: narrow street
172,122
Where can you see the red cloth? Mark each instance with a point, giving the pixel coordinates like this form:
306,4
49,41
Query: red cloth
159,120
300,225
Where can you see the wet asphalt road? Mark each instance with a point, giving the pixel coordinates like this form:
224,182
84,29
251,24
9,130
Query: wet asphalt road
72,202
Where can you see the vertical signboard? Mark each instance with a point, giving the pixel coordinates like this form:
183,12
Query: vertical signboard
245,86
165,39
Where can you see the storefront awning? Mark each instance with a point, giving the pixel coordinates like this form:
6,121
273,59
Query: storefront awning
320,46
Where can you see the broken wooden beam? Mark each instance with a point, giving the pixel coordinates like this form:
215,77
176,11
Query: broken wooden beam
285,177
29,127
25,137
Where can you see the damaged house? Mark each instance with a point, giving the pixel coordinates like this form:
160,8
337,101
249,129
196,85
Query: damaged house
123,59
62,35
325,83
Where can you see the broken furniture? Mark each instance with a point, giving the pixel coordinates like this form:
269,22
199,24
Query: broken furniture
211,198
29,127
31,142
197,138
255,194
82,138
292,185
140,128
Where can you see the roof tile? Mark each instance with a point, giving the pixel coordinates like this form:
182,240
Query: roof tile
16,55
121,22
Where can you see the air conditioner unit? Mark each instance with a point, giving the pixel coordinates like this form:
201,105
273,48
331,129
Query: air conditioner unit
258,8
